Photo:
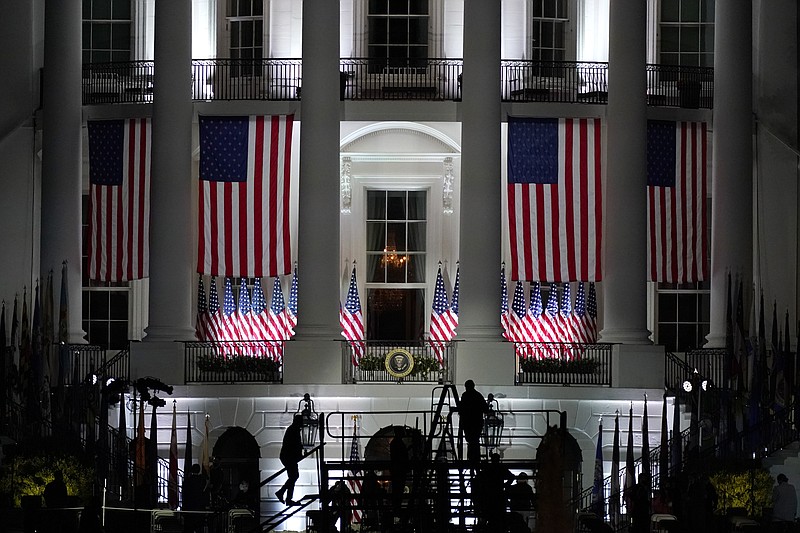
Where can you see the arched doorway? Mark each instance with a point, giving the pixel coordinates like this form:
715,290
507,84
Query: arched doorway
236,454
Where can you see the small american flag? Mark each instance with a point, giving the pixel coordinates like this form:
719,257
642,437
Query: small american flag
291,305
442,329
504,318
243,315
277,323
259,318
244,195
118,238
213,320
352,321
354,482
676,201
201,331
228,319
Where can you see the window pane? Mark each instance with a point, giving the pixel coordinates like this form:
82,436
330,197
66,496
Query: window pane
398,7
375,268
395,314
550,9
690,10
687,307
118,305
101,9
668,336
708,11
118,335
687,337
418,31
87,9
690,39
670,59
395,268
121,36
418,7
98,305
396,205
101,36
398,30
547,35
121,10
258,36
247,33
86,35
245,8
98,333
669,38
670,11
416,268
396,236
376,236
707,38
377,7
416,236
667,308
378,30
376,205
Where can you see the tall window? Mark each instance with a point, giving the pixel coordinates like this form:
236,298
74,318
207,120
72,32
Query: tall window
105,304
106,31
246,24
683,315
398,33
550,19
687,33
396,252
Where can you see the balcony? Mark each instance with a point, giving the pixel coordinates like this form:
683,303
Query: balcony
362,79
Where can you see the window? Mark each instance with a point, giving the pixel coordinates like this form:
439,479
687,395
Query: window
106,31
548,34
396,253
246,24
687,33
398,33
683,315
105,304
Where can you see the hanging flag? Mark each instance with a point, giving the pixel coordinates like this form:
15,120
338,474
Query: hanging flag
205,458
598,503
259,318
552,315
630,468
278,330
663,452
63,329
441,328
187,455
172,488
676,201
118,236
504,316
518,322
354,481
245,165
351,320
214,328
141,455
613,502
291,305
645,442
554,199
242,319
122,452
201,321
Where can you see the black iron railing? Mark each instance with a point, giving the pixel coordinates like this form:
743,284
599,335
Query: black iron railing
234,361
562,363
396,79
370,361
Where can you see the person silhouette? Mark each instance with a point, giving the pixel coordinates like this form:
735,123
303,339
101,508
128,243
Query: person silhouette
471,409
398,453
291,453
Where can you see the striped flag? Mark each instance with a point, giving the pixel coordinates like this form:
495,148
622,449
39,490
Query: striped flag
200,324
676,201
504,318
352,321
291,306
213,318
118,238
552,314
554,199
172,492
259,319
579,315
243,312
354,482
245,167
591,313
519,330
542,332
276,320
454,300
442,328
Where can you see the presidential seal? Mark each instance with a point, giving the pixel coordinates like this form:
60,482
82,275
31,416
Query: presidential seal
399,362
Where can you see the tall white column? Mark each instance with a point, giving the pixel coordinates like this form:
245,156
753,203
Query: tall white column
171,257
625,261
318,225
479,317
732,158
61,152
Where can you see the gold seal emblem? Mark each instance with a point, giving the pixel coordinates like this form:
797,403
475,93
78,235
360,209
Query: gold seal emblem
399,362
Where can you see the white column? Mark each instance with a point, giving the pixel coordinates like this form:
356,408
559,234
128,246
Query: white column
732,158
171,239
479,316
61,152
318,224
625,261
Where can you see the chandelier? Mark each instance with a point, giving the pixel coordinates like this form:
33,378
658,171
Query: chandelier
390,258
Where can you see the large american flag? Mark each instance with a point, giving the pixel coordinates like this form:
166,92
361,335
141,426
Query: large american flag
554,199
352,321
676,201
354,482
118,239
443,327
244,195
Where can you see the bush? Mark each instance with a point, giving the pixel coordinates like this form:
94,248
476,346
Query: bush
237,363
28,476
558,366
